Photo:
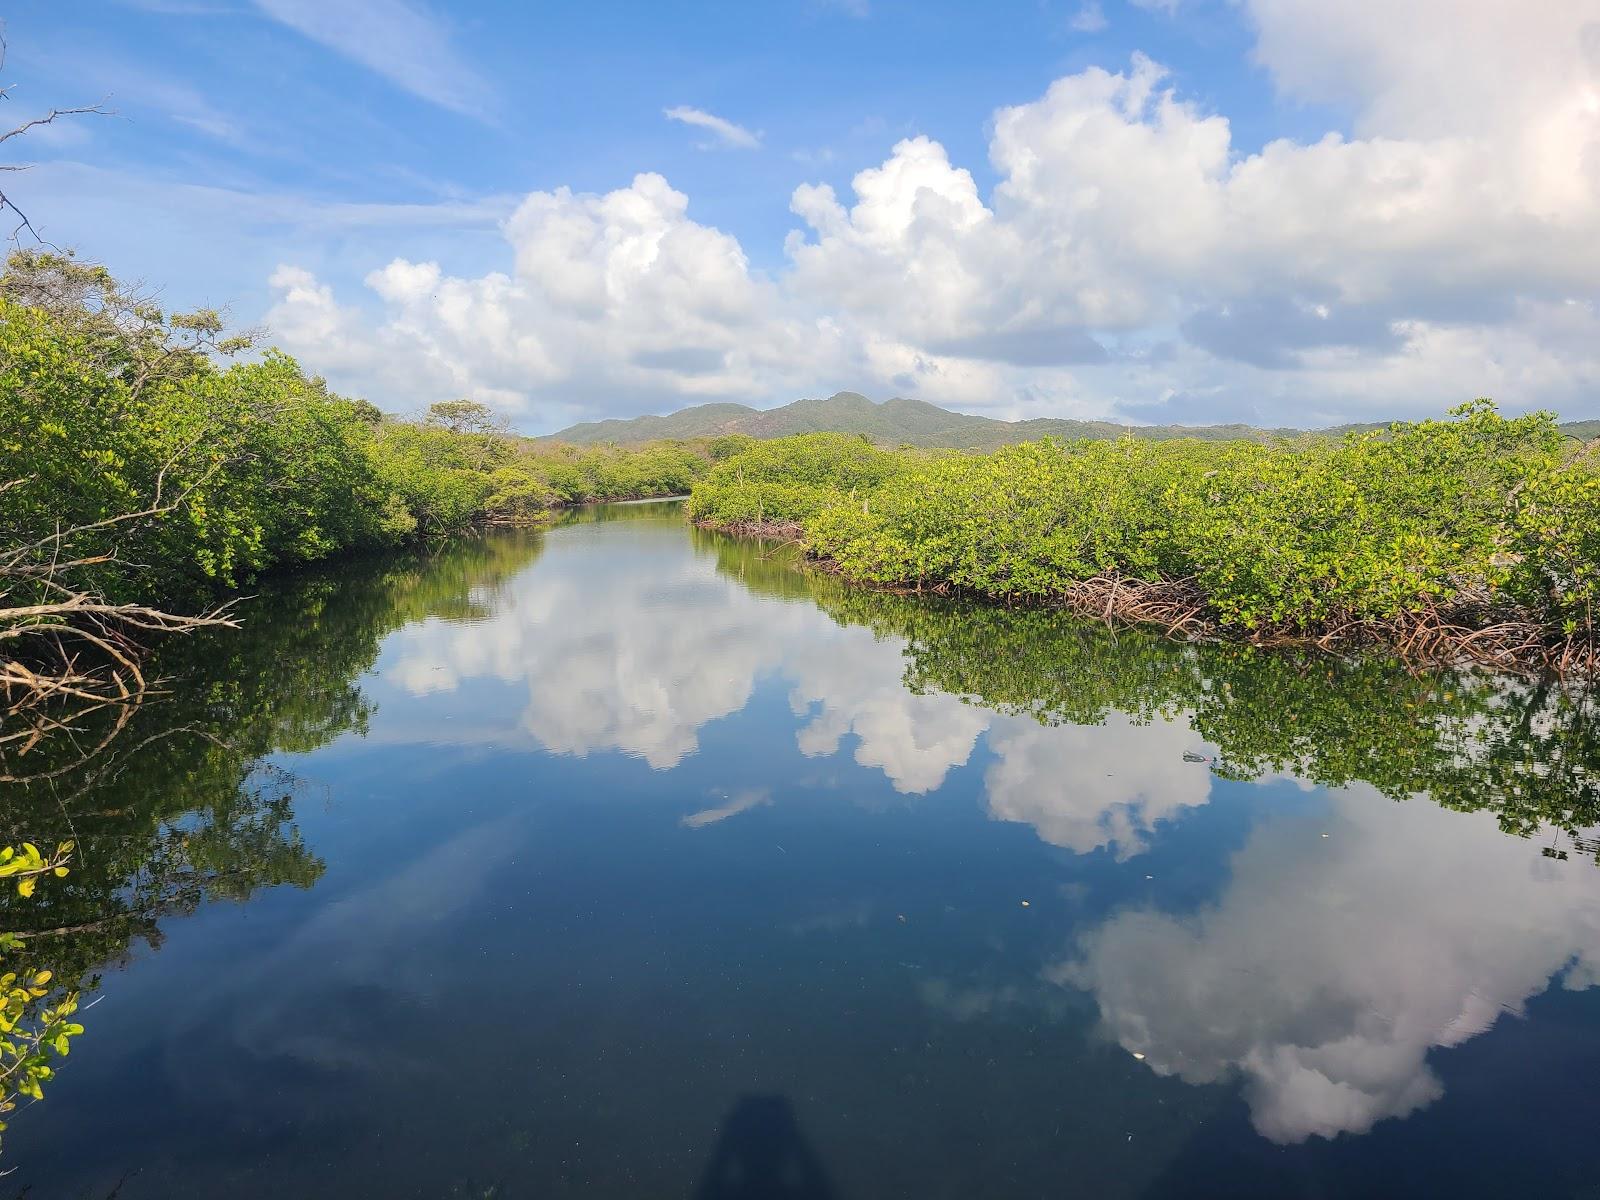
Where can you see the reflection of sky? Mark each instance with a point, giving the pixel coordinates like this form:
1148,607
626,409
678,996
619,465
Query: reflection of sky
594,650
1345,946
1352,937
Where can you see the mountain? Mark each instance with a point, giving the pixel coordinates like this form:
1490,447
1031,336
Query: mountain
892,423
901,421
703,420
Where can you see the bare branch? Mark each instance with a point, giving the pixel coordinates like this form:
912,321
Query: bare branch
69,655
55,113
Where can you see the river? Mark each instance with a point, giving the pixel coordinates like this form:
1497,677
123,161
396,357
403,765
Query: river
623,859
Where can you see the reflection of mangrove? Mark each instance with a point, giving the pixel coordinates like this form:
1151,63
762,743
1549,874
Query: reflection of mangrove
650,509
1528,752
181,808
761,1155
776,569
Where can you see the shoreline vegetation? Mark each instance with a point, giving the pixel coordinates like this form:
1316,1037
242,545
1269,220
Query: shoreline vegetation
1469,540
145,478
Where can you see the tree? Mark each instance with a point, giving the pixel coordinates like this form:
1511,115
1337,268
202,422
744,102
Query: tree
466,416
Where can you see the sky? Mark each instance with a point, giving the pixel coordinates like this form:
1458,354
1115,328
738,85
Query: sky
1287,212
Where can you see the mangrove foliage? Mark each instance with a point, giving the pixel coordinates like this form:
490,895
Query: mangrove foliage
1476,537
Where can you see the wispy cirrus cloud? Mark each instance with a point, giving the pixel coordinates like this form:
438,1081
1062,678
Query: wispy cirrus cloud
179,8
1090,18
129,89
399,40
727,133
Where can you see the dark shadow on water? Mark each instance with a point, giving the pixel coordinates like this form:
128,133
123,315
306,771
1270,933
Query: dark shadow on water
761,1155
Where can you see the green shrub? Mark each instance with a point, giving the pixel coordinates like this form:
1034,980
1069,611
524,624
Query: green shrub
1473,519
789,480
183,474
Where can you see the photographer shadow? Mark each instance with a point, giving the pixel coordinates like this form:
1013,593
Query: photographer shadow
761,1155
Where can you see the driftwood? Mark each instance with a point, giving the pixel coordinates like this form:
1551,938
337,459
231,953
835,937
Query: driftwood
766,531
70,657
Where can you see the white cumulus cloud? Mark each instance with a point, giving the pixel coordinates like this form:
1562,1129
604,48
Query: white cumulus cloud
1131,259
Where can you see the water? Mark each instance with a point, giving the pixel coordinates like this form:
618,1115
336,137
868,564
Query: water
625,860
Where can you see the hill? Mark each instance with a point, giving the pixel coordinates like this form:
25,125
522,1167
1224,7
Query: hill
901,421
1585,430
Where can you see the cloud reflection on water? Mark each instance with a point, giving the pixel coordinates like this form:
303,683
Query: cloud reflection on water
616,655
1338,956
1334,961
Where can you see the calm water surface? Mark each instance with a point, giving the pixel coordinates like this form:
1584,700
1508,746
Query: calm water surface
624,860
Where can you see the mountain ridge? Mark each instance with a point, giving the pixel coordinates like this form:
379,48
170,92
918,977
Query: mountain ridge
903,421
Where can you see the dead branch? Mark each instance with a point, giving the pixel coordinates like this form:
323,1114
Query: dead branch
50,117
71,657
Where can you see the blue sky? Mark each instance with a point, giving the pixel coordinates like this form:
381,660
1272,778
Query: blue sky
498,99
316,142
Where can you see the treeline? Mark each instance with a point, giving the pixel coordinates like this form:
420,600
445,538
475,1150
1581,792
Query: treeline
181,472
1475,537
